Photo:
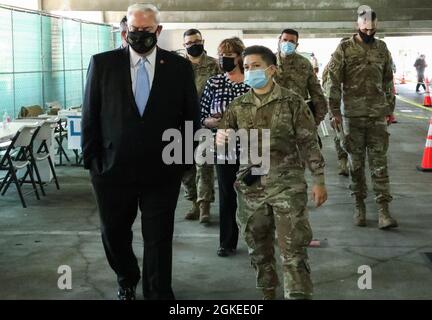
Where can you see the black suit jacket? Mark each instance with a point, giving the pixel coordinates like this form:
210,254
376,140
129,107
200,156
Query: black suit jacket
119,145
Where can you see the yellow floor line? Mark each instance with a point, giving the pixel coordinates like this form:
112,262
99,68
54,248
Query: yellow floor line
408,116
413,103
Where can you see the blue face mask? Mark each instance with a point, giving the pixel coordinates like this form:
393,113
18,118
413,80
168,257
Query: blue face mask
256,79
287,48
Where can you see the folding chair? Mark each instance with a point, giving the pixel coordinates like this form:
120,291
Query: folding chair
4,145
43,133
60,134
42,152
16,158
26,153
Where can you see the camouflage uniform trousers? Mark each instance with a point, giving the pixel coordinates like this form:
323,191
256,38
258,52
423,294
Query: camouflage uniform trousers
364,135
258,217
341,153
198,183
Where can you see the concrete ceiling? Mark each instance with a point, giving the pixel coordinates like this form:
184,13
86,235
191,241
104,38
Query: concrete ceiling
261,18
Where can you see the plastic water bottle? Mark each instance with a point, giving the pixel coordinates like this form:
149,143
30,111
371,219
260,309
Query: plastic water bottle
6,121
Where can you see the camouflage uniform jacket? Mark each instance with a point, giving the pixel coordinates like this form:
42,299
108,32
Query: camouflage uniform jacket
366,77
206,68
293,133
296,73
324,79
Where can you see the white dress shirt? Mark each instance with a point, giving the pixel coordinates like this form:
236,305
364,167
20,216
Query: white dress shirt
149,65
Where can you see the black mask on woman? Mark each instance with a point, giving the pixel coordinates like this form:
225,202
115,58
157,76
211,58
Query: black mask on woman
227,64
141,41
195,50
367,38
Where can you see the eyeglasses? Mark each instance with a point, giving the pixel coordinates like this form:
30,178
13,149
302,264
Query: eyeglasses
190,43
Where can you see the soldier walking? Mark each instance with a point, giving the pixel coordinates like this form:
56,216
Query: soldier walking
276,201
360,70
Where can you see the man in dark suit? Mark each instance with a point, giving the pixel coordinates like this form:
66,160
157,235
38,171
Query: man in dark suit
132,96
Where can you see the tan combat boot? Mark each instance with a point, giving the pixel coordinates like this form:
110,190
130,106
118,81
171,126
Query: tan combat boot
360,213
298,296
204,211
343,167
385,220
269,294
193,213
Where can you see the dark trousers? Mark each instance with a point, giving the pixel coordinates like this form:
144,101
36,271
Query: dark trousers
422,85
118,208
420,80
229,232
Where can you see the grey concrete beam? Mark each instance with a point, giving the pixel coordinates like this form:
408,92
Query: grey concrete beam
218,5
311,34
291,15
267,17
401,25
277,16
311,30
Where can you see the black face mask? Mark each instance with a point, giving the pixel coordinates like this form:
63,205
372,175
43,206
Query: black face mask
195,50
141,41
367,38
227,64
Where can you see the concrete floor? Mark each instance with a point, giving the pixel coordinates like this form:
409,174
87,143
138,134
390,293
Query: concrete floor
63,229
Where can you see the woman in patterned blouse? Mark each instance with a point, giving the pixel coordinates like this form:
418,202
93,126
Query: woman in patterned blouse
218,93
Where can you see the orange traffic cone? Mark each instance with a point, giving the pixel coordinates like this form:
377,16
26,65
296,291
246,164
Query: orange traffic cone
427,99
427,154
403,79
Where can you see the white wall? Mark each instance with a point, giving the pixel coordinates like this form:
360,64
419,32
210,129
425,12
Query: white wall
27,4
322,47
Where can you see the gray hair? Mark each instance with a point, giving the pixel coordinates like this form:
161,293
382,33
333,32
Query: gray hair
142,7
123,24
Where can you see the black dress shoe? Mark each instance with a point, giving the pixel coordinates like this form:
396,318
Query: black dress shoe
126,294
224,252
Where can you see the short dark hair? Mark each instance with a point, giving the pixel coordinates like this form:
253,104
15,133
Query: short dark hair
290,31
266,54
371,12
123,24
191,32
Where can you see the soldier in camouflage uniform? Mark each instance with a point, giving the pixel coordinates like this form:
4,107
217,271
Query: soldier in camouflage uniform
199,180
295,72
277,200
341,153
362,65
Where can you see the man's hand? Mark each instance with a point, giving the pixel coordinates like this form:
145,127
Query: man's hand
336,122
319,195
389,119
212,122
